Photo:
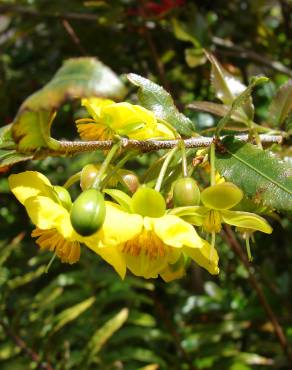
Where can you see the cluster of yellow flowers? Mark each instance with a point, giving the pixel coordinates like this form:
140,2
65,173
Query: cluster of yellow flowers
137,233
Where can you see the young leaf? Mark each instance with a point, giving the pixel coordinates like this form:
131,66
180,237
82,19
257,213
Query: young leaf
159,101
281,104
257,172
77,78
227,87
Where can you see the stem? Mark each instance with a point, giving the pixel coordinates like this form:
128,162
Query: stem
72,179
104,166
234,244
119,165
212,163
184,159
72,147
247,245
164,168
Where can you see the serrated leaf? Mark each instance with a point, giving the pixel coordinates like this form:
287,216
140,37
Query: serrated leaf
77,78
257,172
159,101
102,335
281,104
70,314
227,87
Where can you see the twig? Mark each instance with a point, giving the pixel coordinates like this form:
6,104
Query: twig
71,147
234,244
164,314
18,9
24,347
241,52
71,32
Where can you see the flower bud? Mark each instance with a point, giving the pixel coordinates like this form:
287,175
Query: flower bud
131,181
148,202
186,192
88,175
88,212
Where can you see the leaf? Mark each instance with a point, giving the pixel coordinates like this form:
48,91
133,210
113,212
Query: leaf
226,86
10,157
257,172
77,78
6,139
27,278
102,335
72,313
239,102
281,104
159,101
195,57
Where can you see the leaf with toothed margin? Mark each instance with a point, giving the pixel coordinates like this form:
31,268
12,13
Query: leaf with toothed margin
159,101
261,175
77,78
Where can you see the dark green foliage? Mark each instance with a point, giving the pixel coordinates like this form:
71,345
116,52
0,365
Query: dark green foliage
83,316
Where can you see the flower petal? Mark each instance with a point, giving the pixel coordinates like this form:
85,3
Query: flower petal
94,106
194,215
29,184
246,220
173,231
46,214
113,256
202,257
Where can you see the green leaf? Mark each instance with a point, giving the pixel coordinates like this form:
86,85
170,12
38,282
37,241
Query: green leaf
281,104
6,139
257,172
72,313
239,102
102,335
10,157
77,78
159,101
227,87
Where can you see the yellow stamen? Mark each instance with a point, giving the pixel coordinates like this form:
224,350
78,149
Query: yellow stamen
67,251
94,131
212,222
146,243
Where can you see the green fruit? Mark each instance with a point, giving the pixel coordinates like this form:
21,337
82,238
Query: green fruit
186,192
130,180
88,212
88,176
148,202
221,196
63,196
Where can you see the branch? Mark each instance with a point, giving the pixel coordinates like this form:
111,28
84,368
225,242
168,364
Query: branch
72,147
241,52
236,247
23,10
24,347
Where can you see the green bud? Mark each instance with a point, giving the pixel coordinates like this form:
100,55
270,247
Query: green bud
148,202
88,212
88,175
186,192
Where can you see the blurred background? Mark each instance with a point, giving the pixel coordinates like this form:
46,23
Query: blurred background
83,316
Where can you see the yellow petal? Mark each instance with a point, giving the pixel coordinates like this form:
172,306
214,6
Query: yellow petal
114,257
174,232
29,184
246,220
94,106
202,257
174,271
46,214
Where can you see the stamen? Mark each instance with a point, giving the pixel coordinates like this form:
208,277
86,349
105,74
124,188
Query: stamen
213,240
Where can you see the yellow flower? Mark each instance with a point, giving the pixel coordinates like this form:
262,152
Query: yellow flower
125,119
217,203
51,216
157,244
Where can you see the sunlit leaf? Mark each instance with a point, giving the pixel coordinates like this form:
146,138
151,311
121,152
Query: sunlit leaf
77,78
257,172
281,105
159,101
